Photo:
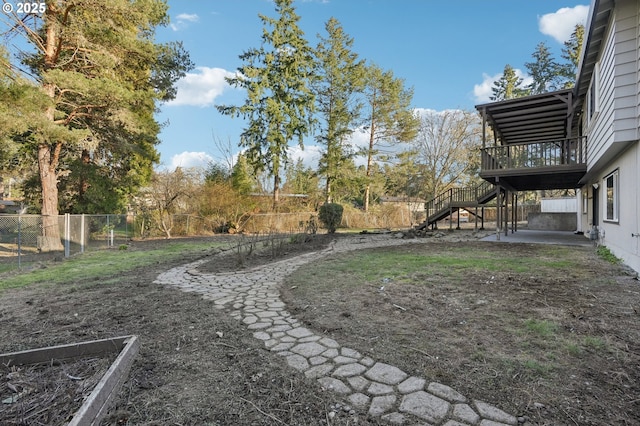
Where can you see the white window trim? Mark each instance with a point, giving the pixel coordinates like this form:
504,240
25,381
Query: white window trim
615,175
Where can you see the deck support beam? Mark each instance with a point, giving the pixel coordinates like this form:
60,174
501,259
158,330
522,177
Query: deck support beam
506,212
498,209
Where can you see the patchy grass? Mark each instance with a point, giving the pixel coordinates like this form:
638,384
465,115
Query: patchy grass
366,267
542,328
515,324
102,264
607,255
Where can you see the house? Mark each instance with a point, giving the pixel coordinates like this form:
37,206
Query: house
585,138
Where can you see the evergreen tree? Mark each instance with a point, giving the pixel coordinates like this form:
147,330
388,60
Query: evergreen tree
389,116
97,74
15,96
543,70
302,179
571,53
216,172
349,185
242,179
106,173
508,86
279,103
341,78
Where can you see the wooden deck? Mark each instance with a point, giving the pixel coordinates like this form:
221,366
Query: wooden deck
557,164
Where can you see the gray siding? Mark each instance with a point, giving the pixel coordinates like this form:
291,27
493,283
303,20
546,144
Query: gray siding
618,76
638,65
625,124
600,126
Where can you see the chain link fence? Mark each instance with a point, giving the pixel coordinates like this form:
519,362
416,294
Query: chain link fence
21,236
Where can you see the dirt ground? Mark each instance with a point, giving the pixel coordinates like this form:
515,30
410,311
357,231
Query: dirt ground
199,366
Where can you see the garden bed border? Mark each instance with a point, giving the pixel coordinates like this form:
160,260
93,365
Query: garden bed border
96,406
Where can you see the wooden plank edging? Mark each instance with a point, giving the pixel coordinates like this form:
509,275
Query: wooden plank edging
98,403
96,406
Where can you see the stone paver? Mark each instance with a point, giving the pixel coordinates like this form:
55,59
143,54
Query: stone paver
425,406
370,385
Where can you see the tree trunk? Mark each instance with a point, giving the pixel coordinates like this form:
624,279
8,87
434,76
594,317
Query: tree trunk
328,190
83,187
166,225
367,190
276,191
48,179
48,160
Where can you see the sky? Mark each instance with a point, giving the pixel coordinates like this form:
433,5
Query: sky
450,53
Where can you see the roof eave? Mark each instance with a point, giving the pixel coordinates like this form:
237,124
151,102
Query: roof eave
597,23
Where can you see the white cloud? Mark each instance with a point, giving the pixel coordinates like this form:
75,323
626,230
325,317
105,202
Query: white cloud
482,92
188,160
201,88
425,112
561,23
191,17
359,138
183,20
310,155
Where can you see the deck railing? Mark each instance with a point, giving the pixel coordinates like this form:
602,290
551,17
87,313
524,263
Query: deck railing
566,152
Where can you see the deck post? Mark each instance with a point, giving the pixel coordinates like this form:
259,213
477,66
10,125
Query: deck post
506,212
498,208
475,227
514,207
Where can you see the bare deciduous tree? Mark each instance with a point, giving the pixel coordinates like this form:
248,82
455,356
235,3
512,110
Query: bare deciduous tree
445,149
169,194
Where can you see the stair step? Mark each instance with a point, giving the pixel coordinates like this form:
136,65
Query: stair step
464,198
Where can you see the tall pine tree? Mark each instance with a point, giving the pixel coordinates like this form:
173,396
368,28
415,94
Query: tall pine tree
341,80
389,117
279,105
543,70
571,53
98,74
508,86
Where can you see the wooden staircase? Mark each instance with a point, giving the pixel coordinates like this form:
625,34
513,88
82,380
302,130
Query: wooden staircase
455,199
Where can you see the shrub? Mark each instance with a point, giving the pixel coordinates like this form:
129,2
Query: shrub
331,216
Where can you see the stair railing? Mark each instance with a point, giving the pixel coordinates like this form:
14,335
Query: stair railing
444,200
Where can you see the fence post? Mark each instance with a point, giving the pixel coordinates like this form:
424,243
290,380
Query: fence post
67,234
82,233
20,241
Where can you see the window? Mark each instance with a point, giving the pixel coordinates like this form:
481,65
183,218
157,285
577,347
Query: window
611,185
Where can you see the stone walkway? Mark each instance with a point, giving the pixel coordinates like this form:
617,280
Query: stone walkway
382,390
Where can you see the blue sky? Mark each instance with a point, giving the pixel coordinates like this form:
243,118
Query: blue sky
450,52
